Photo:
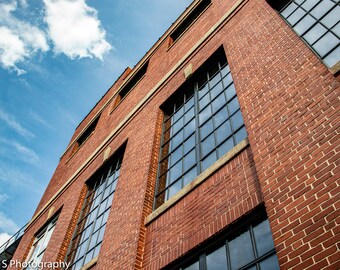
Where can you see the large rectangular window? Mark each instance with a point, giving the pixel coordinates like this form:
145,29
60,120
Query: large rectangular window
251,249
318,23
202,123
89,233
40,243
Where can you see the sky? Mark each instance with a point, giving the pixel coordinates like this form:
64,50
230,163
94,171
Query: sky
57,59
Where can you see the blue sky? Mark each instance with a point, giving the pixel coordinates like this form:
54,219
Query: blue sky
57,58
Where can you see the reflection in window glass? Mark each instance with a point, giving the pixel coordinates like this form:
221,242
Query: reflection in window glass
212,125
40,243
252,249
317,22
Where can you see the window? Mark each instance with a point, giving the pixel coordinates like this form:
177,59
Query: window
88,236
133,81
195,13
247,244
318,23
40,243
202,122
85,135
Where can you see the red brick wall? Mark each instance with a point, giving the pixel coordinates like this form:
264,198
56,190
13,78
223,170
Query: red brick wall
289,101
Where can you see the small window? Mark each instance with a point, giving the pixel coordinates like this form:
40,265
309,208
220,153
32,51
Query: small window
133,81
202,122
249,247
85,135
40,243
186,23
88,236
317,22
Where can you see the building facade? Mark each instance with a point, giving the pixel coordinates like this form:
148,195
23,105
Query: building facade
218,150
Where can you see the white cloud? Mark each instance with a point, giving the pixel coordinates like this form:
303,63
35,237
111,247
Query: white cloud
4,237
75,30
7,225
28,155
39,119
18,151
19,40
12,123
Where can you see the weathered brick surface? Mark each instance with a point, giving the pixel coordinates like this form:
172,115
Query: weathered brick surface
290,105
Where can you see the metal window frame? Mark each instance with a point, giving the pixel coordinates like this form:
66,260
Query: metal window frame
178,104
100,180
317,21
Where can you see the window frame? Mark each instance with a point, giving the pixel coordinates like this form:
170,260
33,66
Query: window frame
200,252
101,188
213,66
44,234
281,6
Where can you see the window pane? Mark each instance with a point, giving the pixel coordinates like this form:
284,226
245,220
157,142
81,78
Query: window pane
175,172
189,144
225,147
333,57
230,92
331,18
189,160
208,161
289,9
270,263
217,260
221,116
218,103
263,238
296,16
206,129
237,120
223,132
322,8
204,115
214,92
194,266
241,251
307,5
240,135
189,176
314,33
304,24
326,43
208,144
233,105
174,189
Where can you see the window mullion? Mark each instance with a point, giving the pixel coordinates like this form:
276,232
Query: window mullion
197,133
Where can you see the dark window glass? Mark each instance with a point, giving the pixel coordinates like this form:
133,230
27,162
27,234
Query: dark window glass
90,228
89,130
134,80
201,124
185,24
253,248
318,23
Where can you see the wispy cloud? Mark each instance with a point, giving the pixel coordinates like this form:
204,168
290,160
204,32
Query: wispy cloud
19,40
17,178
7,225
17,151
75,30
13,124
39,119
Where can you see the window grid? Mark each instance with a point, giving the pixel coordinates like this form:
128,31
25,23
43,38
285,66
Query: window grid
40,244
199,128
89,233
255,244
317,22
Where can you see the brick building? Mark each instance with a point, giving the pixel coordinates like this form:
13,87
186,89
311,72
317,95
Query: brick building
218,150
